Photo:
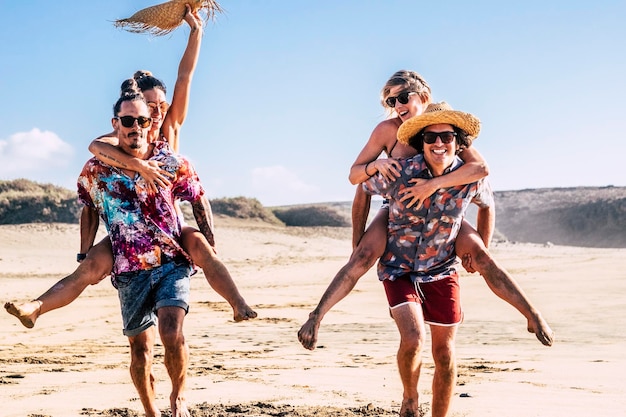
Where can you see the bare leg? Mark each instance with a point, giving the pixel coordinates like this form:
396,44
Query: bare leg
501,283
176,356
216,273
141,354
369,249
360,212
92,270
410,321
444,379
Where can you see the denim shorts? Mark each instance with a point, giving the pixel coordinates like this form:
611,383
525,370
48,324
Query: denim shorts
142,293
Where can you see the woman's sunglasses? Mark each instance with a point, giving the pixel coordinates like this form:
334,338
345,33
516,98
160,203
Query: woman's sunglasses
402,98
129,121
431,137
163,107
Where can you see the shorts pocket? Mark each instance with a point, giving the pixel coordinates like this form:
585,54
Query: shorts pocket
122,280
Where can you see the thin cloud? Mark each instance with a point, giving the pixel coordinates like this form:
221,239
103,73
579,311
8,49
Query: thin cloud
35,152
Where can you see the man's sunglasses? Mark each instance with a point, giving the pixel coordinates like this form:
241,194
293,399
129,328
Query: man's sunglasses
129,121
431,137
402,98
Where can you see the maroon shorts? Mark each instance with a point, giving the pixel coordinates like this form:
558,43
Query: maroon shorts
440,300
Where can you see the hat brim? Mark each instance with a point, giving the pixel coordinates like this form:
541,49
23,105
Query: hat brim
466,121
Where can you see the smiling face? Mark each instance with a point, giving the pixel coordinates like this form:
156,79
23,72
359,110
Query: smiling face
440,155
413,107
155,97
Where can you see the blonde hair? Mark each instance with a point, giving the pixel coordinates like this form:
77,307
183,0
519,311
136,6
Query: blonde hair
411,81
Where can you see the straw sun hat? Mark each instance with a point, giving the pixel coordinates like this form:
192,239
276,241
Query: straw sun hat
165,17
438,113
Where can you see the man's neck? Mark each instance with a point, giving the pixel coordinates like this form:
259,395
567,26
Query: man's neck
439,169
142,153
436,170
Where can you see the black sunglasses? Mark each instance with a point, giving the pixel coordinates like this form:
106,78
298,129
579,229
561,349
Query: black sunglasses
129,121
402,98
431,137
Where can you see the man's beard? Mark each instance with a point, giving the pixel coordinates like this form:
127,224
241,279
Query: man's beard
136,140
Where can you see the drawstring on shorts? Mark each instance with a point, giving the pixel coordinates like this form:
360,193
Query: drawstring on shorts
419,292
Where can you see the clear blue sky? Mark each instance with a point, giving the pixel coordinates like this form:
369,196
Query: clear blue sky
286,92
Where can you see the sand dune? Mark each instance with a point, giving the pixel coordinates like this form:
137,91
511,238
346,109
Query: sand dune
75,361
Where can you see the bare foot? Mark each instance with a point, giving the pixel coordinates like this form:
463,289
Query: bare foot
410,408
540,328
155,413
27,313
179,408
243,312
307,335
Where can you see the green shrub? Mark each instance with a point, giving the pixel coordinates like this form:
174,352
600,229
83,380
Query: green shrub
237,207
25,201
311,216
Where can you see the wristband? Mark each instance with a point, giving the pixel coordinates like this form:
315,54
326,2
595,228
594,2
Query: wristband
80,257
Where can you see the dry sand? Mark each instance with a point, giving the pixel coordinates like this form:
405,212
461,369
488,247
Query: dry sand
75,361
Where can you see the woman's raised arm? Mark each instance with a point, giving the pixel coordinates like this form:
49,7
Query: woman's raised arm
180,99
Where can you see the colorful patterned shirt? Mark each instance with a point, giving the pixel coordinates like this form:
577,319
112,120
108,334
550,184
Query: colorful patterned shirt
143,226
421,241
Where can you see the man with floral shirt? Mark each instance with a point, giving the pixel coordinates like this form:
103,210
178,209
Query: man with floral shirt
151,271
418,267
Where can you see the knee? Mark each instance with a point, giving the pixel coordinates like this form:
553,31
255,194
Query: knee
365,255
141,354
482,259
412,344
191,242
171,327
172,338
94,268
99,262
198,248
444,356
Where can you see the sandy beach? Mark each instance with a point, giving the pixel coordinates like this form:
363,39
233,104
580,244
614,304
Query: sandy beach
74,362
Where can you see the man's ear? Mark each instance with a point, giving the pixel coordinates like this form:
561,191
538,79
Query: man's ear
114,123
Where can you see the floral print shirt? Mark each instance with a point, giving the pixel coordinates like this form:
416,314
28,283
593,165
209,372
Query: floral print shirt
421,241
144,227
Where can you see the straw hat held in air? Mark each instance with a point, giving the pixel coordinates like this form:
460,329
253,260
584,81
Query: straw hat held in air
165,17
